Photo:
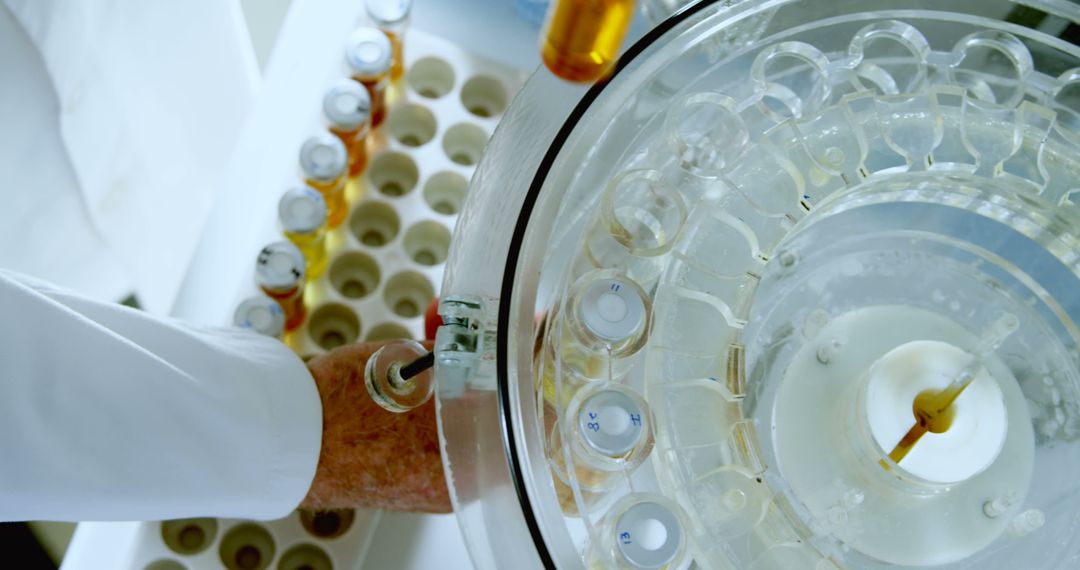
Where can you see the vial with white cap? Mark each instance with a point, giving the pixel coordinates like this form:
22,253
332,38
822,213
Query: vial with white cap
644,531
302,212
347,109
612,426
369,57
260,314
608,429
279,272
606,320
392,17
324,163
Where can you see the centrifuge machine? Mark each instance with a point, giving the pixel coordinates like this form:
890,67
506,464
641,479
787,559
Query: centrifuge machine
797,287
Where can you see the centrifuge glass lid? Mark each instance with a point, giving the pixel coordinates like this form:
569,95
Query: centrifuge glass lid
799,287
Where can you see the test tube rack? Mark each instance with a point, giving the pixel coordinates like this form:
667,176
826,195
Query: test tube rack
385,266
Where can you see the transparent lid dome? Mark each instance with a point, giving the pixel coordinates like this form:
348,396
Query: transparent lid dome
799,287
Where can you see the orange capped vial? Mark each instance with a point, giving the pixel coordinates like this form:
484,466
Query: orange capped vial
369,55
279,272
582,38
392,17
302,212
325,164
347,109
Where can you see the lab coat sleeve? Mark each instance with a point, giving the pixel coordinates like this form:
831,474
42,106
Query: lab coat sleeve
107,413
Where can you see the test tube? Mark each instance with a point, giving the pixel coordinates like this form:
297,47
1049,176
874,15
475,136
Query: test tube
324,162
303,213
369,56
262,315
279,272
347,109
582,38
392,17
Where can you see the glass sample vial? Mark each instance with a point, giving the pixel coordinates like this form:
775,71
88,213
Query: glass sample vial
582,38
369,55
608,428
260,314
279,272
392,17
347,109
324,162
303,214
644,530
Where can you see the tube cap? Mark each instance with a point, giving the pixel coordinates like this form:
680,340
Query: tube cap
323,157
368,52
280,265
302,210
612,310
387,12
260,314
648,535
611,423
347,105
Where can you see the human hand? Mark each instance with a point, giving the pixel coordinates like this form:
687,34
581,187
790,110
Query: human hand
370,457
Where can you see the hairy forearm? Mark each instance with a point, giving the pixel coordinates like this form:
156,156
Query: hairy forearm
372,458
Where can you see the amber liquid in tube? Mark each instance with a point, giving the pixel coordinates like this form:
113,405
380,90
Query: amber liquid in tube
355,142
376,87
292,304
582,39
397,44
333,192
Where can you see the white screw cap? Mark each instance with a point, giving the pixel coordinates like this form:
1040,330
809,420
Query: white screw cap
612,310
648,535
280,265
302,210
611,423
260,314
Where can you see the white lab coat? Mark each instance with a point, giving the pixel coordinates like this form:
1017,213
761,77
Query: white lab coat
108,413
117,122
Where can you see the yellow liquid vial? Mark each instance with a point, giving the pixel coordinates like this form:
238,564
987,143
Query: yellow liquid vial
355,142
313,246
303,215
333,192
369,56
280,272
376,86
392,17
397,47
292,303
582,39
324,162
347,110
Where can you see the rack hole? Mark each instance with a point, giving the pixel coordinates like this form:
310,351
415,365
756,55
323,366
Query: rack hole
247,547
427,243
464,143
188,536
408,294
305,557
445,192
333,325
393,173
388,331
374,224
354,274
484,96
327,524
412,125
165,564
431,77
